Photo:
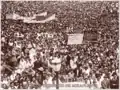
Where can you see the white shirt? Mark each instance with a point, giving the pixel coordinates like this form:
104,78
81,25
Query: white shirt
50,80
99,82
73,64
87,72
5,82
19,71
75,59
3,39
98,59
102,77
56,60
29,45
11,43
32,53
22,64
12,77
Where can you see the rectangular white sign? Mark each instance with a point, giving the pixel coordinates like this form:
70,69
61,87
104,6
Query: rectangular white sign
75,38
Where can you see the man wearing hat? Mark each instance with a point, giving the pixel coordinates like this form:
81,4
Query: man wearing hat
114,82
105,84
38,67
97,81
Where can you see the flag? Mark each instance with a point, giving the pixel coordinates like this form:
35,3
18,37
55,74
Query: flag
41,19
90,36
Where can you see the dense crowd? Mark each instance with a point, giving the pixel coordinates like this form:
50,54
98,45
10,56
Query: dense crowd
28,48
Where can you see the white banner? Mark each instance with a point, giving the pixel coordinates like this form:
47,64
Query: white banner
75,38
52,17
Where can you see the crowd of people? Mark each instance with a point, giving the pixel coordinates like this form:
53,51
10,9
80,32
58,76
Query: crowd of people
28,48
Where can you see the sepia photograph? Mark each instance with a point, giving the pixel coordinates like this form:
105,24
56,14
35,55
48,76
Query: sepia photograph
59,45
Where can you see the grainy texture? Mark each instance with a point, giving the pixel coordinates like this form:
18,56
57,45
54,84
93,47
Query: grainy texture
29,51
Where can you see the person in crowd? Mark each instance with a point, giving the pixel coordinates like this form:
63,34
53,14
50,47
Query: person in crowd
68,58
97,81
86,73
73,66
105,84
114,82
38,67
